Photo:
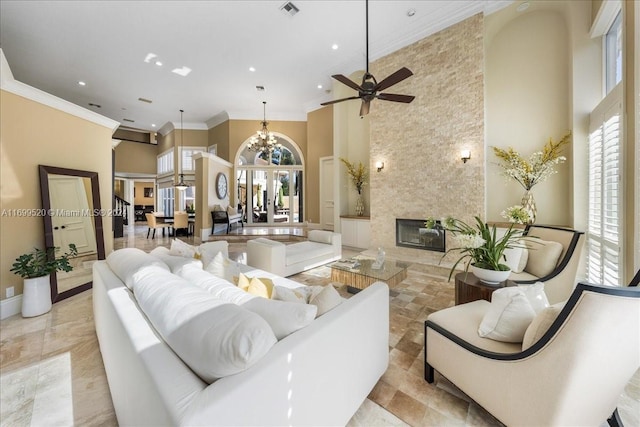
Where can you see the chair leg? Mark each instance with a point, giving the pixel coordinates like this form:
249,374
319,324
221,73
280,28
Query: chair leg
153,236
615,420
148,231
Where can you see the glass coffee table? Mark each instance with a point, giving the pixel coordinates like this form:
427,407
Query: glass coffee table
357,273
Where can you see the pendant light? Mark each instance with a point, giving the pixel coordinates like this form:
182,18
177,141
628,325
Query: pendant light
181,185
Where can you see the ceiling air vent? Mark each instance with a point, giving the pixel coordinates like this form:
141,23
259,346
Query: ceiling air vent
128,120
91,104
260,88
148,101
289,8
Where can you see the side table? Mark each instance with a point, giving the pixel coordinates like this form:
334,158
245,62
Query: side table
470,288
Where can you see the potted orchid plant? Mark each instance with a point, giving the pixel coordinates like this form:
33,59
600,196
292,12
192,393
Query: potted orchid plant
480,247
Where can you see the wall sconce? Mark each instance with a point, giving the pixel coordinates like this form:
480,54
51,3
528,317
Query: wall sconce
465,155
379,166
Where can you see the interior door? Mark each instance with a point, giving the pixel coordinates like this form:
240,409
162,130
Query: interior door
74,223
326,193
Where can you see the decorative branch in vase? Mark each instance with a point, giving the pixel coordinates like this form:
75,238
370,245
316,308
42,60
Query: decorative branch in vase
537,168
359,176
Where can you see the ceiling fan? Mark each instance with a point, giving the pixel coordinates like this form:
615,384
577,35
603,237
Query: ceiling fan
369,88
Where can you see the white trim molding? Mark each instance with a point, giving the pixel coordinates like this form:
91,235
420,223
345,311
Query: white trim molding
10,306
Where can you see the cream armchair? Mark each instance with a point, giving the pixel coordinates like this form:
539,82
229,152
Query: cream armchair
559,283
572,375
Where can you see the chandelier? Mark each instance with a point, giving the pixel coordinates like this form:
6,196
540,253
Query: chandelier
181,185
264,141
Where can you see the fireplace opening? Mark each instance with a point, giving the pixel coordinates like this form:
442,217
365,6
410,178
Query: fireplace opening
411,233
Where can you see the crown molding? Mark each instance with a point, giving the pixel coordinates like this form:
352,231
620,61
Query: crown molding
9,84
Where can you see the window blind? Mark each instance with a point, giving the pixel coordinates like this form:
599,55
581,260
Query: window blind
604,220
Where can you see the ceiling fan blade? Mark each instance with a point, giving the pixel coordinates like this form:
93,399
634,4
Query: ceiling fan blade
364,108
394,78
396,98
344,80
340,100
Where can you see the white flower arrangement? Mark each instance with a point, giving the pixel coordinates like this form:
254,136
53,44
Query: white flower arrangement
517,214
536,169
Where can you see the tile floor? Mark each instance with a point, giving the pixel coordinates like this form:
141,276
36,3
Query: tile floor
51,371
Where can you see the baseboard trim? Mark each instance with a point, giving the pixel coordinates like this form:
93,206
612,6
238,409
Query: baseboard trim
10,306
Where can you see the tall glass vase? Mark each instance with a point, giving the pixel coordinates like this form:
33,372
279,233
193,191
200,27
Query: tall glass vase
360,205
528,202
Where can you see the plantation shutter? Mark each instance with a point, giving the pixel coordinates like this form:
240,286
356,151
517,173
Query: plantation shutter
604,224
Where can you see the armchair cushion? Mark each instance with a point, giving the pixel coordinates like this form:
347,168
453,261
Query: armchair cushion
508,317
541,324
543,256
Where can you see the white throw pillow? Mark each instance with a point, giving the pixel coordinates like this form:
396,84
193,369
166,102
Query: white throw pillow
536,296
543,256
327,299
508,316
297,295
231,211
214,338
180,248
209,250
541,324
125,263
223,267
175,263
283,317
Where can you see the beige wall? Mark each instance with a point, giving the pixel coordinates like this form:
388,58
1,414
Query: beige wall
135,157
320,144
527,102
219,135
420,142
34,134
139,198
208,167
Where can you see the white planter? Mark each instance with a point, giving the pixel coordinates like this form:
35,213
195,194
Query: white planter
36,297
490,277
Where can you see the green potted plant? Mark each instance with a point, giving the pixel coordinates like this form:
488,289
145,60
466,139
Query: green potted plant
480,247
35,268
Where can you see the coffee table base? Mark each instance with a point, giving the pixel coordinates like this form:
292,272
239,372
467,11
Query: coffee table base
356,282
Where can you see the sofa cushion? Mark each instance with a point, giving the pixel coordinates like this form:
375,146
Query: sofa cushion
508,316
223,267
175,263
127,262
327,299
541,324
305,251
231,211
209,250
320,236
283,317
543,256
183,249
214,338
282,293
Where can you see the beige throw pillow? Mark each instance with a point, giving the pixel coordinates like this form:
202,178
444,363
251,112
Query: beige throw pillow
541,324
543,256
327,299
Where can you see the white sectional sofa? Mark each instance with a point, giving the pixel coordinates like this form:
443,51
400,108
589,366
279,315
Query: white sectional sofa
285,260
305,378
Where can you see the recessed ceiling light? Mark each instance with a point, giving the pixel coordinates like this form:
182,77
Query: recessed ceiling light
334,46
183,71
523,6
252,69
149,57
411,12
159,64
81,83
319,86
153,125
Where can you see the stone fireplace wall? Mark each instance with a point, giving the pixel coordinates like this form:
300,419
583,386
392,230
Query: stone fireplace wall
420,143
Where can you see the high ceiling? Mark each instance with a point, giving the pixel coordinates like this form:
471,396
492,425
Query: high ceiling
53,45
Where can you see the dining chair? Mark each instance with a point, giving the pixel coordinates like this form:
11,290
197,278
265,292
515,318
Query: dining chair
153,223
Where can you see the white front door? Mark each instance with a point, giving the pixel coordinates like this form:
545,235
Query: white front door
326,193
72,218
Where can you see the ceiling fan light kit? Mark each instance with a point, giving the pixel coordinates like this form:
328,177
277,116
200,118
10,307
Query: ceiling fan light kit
369,89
